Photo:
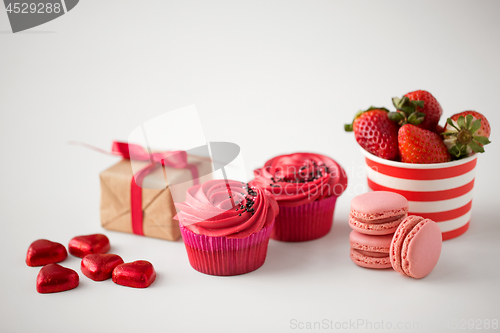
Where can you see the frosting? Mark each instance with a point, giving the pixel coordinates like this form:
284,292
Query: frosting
228,208
301,178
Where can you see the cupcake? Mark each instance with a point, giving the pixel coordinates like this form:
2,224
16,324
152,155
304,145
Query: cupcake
306,187
225,225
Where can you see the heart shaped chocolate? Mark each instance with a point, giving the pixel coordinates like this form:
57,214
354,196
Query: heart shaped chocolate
80,246
99,267
54,278
137,274
42,252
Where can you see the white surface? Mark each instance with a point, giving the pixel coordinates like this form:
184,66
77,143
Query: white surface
274,77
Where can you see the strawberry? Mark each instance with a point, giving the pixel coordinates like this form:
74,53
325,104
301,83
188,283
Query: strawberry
375,132
466,132
438,129
419,108
418,145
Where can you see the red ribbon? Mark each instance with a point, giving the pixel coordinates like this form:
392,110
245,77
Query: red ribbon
174,159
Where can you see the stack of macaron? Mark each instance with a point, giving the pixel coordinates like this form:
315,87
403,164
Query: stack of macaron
385,236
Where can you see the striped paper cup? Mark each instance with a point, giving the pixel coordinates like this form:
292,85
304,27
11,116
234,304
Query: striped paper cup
441,192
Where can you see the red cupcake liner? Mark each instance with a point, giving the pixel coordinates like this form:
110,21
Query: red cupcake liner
305,222
224,256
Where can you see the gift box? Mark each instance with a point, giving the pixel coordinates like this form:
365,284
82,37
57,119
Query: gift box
142,203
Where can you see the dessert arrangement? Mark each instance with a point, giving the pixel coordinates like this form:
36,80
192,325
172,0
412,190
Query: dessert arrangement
385,236
96,264
408,152
421,174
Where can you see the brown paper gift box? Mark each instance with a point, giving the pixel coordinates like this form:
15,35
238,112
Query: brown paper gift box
157,203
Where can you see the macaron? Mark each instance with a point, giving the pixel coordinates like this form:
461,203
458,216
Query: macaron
378,212
416,247
370,251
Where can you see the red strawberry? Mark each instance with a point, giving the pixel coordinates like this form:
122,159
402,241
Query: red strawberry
466,132
419,108
484,130
375,132
438,129
418,145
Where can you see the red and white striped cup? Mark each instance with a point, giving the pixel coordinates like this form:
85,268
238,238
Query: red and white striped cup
441,192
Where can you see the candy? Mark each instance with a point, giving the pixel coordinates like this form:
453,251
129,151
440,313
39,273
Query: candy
80,246
99,267
137,274
54,278
42,252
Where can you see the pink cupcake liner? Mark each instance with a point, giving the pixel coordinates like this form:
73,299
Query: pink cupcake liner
305,222
224,256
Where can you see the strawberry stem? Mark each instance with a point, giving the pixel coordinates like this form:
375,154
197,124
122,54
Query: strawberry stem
464,136
407,111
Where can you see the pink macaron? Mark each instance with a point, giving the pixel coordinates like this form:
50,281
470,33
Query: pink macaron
378,212
370,251
415,247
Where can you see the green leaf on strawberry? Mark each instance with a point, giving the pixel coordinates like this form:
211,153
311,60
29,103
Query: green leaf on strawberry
407,111
418,108
461,136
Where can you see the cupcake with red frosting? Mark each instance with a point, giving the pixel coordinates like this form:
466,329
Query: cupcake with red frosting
306,187
225,225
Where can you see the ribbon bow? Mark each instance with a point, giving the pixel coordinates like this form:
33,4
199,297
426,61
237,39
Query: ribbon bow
174,159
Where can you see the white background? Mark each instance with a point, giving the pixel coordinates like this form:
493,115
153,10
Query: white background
274,77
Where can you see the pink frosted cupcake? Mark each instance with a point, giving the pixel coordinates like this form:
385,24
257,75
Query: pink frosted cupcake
226,226
306,187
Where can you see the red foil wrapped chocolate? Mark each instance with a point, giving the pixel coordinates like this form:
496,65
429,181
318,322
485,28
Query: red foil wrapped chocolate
54,278
42,252
99,267
137,274
80,246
